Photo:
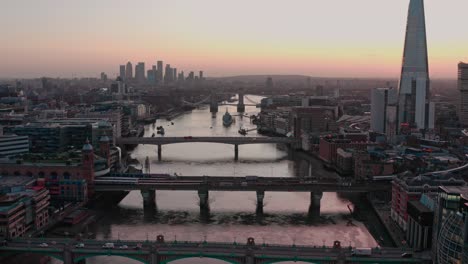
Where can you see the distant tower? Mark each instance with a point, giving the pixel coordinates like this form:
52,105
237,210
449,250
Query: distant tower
159,77
414,107
122,72
463,88
129,71
269,82
87,166
140,72
168,74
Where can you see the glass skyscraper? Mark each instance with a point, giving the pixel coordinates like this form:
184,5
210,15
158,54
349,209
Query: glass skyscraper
414,107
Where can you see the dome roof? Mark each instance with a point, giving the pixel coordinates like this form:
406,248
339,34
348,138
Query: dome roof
104,139
87,146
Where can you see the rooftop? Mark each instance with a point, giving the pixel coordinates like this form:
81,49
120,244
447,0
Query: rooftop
12,181
457,190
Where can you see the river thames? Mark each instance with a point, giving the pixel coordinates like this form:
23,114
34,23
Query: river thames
232,214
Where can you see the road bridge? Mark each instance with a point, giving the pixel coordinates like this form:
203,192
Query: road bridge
236,141
160,251
148,184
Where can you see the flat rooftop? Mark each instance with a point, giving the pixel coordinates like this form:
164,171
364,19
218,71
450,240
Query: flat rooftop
12,181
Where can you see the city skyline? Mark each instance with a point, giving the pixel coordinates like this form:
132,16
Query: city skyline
310,38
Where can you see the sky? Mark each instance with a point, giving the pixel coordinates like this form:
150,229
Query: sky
322,38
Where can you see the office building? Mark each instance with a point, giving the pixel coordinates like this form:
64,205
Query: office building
451,226
168,74
140,72
122,72
181,76
381,98
23,206
150,74
408,188
414,107
13,145
420,220
103,77
129,71
201,75
159,77
463,88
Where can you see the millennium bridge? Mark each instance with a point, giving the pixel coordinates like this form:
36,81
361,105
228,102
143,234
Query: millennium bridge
160,251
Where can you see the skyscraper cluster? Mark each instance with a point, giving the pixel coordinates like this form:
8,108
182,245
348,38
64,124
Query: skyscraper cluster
157,74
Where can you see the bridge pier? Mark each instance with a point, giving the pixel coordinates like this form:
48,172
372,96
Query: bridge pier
67,255
249,259
159,152
204,202
149,199
154,258
236,152
314,208
260,196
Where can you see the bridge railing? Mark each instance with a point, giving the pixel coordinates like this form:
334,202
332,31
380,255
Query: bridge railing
179,243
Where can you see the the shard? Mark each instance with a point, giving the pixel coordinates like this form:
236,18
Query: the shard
414,107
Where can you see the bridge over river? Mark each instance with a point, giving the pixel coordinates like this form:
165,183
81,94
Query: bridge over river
148,184
160,251
236,141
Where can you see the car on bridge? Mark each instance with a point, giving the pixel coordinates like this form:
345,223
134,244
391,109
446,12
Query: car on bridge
43,245
108,245
80,245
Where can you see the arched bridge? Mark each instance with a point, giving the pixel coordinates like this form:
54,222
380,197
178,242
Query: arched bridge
236,141
162,252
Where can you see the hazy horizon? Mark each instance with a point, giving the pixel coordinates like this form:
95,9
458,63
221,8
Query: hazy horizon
332,39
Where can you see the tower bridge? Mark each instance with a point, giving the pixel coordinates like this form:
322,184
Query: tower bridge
214,102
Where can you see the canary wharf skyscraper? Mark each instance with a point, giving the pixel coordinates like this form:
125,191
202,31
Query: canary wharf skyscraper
414,107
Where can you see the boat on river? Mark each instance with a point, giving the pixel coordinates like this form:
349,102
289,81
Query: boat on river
227,119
